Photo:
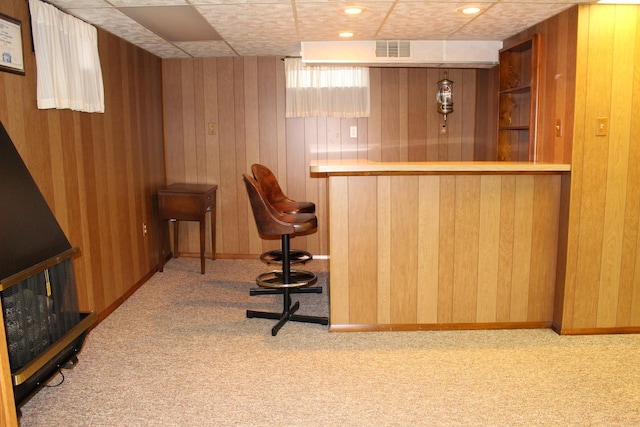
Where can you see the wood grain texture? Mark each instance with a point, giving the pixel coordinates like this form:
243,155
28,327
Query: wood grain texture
339,263
455,249
244,98
556,84
99,173
600,286
362,249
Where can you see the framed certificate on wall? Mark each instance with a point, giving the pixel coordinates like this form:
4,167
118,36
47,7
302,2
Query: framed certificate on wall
11,57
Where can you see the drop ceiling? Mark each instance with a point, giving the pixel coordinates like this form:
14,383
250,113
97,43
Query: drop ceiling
205,28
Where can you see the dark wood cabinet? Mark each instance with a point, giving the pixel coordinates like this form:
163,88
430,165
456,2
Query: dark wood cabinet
518,101
187,202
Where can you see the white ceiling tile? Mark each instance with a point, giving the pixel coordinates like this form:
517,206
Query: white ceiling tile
247,27
206,49
324,21
84,4
276,27
139,3
422,21
506,19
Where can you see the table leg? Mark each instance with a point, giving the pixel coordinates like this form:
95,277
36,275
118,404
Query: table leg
213,232
203,228
164,234
176,229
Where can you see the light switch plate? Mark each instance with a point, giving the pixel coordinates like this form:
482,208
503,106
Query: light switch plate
602,126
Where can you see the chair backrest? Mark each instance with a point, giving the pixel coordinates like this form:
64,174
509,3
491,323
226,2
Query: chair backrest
268,220
268,183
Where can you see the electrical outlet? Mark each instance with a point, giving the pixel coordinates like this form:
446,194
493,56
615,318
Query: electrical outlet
213,128
443,128
144,228
353,131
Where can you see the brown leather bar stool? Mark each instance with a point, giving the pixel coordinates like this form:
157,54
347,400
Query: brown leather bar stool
271,222
270,188
272,191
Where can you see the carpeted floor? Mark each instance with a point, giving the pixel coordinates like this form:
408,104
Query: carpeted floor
180,352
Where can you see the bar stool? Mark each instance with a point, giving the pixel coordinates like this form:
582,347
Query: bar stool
270,188
273,192
271,222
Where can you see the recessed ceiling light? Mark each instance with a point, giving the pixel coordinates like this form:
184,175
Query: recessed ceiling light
346,34
354,10
470,9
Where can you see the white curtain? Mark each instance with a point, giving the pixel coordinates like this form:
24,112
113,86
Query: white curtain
67,60
321,90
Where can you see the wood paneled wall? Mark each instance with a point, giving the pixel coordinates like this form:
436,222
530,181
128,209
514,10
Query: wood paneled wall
244,100
445,250
602,271
98,172
591,57
558,38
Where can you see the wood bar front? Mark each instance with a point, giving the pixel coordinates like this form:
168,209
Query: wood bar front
442,245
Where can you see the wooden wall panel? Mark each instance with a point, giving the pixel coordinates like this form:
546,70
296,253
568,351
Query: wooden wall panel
383,257
438,250
244,97
486,136
362,250
600,286
339,262
446,247
98,172
465,260
403,248
556,87
489,247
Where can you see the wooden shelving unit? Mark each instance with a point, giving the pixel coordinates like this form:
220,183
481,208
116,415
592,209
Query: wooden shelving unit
518,99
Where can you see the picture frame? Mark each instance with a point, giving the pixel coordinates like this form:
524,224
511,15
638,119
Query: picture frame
11,51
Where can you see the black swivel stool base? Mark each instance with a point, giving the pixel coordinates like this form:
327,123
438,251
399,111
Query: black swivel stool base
272,222
286,282
273,283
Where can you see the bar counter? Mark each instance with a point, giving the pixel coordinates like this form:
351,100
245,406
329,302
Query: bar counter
442,245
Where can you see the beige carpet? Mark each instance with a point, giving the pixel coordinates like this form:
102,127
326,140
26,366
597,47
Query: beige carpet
180,352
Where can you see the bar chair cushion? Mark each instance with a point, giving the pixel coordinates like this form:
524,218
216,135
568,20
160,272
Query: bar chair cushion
273,222
274,194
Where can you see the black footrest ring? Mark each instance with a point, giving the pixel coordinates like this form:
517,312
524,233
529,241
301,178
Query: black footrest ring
275,279
296,256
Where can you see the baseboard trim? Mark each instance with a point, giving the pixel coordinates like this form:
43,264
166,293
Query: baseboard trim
597,331
118,302
232,256
436,326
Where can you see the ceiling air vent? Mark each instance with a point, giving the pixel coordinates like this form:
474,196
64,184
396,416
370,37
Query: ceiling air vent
393,49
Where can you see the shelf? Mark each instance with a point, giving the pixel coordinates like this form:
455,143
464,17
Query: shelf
518,95
525,127
519,89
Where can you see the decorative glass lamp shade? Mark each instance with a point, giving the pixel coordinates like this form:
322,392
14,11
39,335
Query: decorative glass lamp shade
445,96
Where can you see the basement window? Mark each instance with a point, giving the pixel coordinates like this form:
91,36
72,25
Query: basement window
326,91
67,60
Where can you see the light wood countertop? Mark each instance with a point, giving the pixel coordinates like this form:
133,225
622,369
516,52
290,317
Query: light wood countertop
355,167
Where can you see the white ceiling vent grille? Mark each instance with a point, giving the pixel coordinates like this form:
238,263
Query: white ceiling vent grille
393,49
409,53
